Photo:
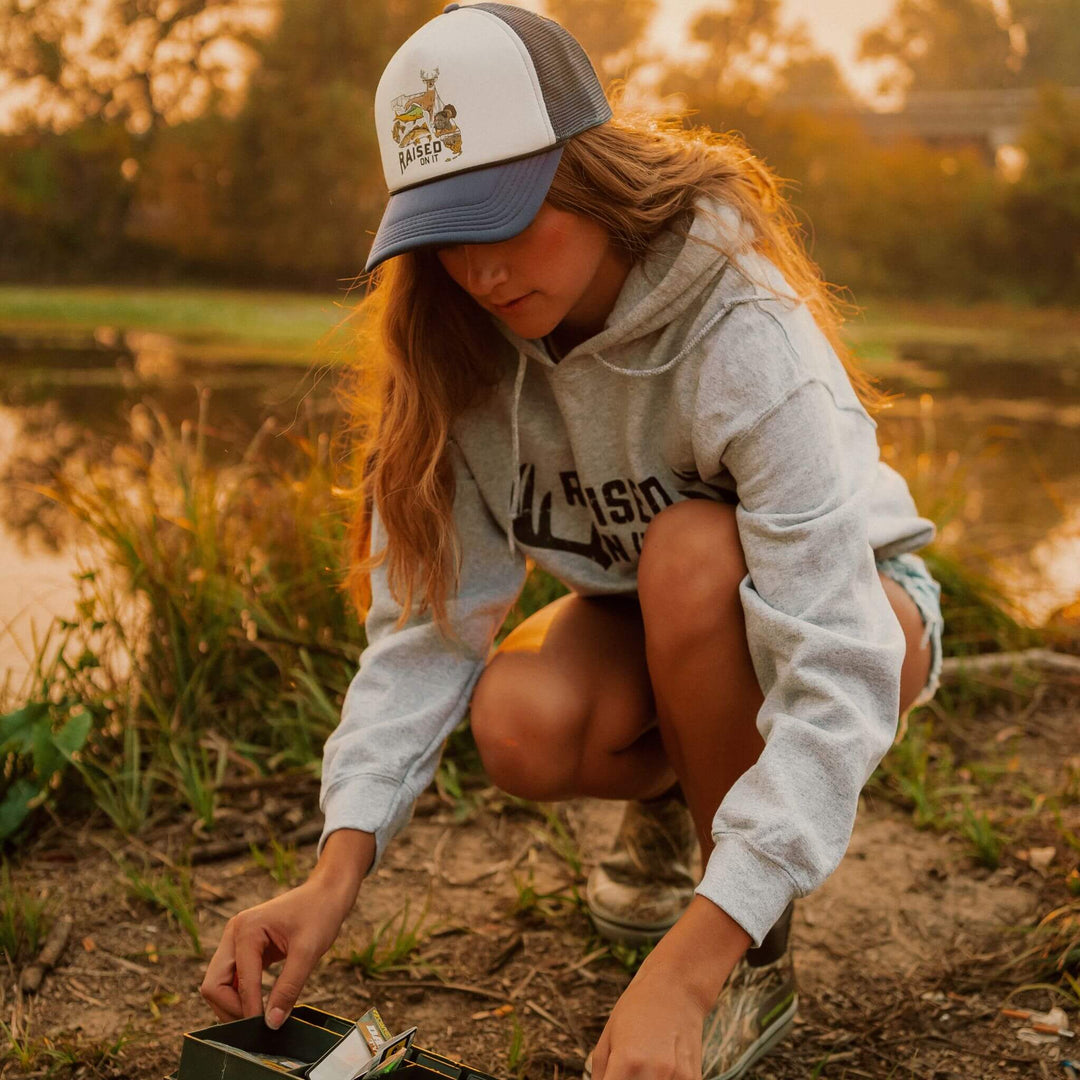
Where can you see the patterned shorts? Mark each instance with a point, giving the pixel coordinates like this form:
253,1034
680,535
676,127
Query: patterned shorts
911,574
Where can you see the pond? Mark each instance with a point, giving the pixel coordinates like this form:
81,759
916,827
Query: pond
990,448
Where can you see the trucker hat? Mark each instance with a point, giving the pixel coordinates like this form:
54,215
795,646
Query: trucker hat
472,113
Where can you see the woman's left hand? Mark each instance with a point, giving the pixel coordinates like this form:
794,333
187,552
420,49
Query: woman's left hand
654,1031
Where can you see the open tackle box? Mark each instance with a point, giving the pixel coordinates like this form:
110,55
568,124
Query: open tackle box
313,1044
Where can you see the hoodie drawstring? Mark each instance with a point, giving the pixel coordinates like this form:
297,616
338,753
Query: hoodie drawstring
516,440
709,324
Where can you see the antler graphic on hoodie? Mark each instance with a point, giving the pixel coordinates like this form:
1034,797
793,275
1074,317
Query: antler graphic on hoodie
541,535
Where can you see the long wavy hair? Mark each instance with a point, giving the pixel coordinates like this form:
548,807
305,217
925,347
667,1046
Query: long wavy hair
429,352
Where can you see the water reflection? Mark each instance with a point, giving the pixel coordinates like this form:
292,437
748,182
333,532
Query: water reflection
990,451
65,406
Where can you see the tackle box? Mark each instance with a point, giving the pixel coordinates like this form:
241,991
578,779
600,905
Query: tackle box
307,1034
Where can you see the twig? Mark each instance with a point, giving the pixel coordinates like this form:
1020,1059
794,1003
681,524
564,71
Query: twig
434,984
516,943
1040,659
520,988
307,833
55,943
585,961
545,1015
128,965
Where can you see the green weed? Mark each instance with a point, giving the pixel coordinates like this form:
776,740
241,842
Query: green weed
216,597
921,772
561,841
986,842
171,894
101,1059
516,1054
542,906
281,862
197,781
631,957
392,944
123,785
24,920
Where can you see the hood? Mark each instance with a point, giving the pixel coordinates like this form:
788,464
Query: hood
671,277
659,287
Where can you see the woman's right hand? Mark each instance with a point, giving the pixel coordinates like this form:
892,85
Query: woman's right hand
298,927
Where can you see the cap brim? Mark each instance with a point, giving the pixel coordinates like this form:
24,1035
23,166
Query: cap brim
481,206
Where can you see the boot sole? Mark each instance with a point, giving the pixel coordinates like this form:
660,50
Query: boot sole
627,934
776,1033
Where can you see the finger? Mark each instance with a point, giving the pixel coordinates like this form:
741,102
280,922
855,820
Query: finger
249,965
218,987
298,964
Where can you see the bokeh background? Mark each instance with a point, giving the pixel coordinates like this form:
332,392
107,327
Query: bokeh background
188,191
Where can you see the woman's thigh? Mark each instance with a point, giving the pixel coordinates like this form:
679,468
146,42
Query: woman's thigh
572,681
575,670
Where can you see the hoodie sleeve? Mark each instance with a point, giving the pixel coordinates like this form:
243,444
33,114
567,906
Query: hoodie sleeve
826,647
414,686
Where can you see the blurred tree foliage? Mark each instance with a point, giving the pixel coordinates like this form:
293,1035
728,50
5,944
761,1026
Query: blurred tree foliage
284,185
943,45
1043,207
308,187
144,64
749,57
976,44
1051,40
610,31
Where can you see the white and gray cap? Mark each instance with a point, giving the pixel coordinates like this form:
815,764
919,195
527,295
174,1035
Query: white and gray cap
472,113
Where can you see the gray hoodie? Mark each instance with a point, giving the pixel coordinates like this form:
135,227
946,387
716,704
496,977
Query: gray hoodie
702,384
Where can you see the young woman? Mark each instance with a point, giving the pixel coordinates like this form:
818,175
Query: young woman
603,349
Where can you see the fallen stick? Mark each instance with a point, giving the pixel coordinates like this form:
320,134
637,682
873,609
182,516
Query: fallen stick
1040,659
434,984
307,833
32,976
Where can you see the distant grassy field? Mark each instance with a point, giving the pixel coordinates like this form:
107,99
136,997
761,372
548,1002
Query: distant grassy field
229,324
234,324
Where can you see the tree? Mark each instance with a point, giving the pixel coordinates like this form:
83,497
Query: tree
1051,41
610,31
141,63
308,187
749,57
1044,205
944,45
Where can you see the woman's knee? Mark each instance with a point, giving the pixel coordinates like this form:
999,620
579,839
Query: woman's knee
689,571
528,728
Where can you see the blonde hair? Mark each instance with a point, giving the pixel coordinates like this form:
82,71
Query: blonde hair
429,351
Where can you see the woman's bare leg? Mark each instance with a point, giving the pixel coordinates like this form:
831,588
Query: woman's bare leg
565,707
618,697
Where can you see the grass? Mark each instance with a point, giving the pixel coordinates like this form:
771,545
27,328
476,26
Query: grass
24,920
93,1059
392,944
218,586
238,323
208,323
517,1053
993,330
280,864
167,892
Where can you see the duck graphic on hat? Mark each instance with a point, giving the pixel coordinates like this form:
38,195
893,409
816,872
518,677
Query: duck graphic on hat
425,127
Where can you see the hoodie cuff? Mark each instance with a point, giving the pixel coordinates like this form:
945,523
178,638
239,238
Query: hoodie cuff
369,803
752,889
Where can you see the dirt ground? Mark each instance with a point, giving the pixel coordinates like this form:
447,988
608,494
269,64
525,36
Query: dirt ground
902,957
